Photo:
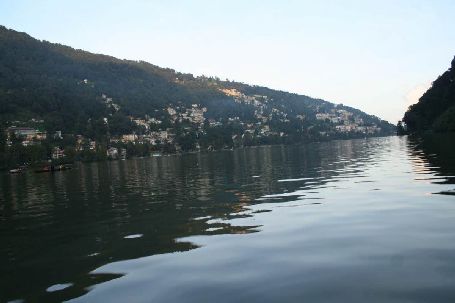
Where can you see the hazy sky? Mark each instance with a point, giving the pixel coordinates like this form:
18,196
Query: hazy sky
378,56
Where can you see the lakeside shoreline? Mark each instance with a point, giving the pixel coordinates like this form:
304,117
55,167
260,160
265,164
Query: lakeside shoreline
182,153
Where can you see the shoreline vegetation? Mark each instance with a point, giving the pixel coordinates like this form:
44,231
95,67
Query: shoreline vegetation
14,160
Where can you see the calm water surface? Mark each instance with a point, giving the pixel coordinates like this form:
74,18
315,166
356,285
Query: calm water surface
343,221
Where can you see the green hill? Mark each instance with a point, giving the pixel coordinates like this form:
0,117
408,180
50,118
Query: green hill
435,110
52,87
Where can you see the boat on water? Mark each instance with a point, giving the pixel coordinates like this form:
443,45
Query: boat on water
16,171
53,168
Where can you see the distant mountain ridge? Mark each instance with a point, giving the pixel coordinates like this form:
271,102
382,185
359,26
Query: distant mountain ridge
55,88
435,110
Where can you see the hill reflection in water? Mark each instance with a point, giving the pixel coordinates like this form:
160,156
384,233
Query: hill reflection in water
264,219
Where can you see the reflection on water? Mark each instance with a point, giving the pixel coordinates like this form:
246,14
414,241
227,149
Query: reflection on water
434,156
353,220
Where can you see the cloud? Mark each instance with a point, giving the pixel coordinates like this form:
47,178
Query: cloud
414,94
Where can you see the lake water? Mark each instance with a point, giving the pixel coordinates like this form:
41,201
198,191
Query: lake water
342,221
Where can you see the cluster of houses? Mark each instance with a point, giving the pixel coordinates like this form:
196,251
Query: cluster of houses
194,115
154,134
260,104
343,120
347,122
150,137
29,136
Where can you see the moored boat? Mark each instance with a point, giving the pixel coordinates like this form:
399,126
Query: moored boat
15,171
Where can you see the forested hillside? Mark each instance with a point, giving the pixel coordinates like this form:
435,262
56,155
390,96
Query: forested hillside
104,102
435,110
